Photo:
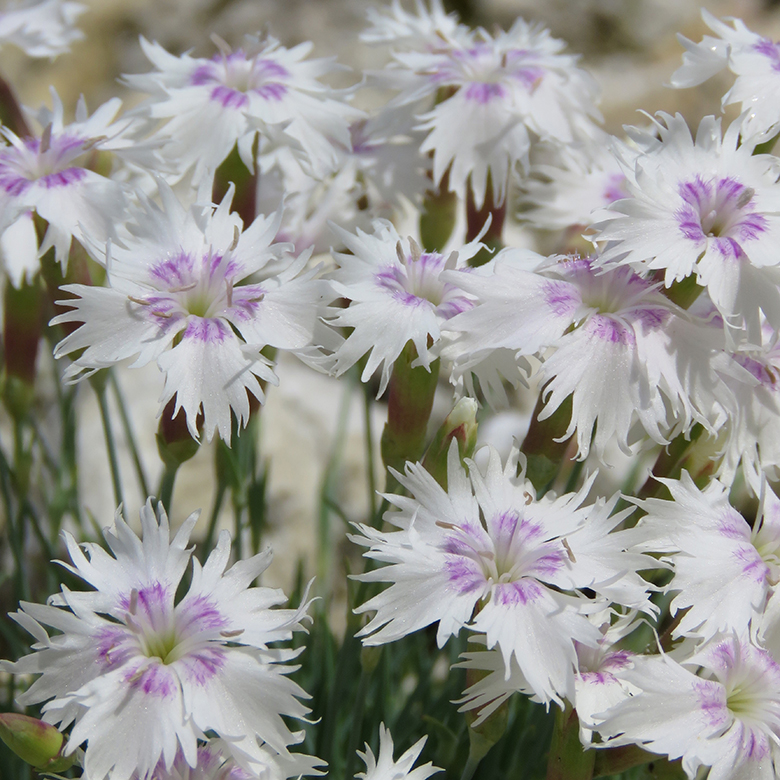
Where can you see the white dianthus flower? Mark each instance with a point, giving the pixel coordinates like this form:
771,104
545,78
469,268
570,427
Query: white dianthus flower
140,677
704,206
47,174
385,767
626,355
719,708
502,93
210,105
724,569
397,294
189,289
488,541
42,29
755,61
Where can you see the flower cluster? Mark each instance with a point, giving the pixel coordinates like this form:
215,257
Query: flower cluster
620,562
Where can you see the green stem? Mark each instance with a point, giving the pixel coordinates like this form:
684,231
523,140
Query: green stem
49,458
16,540
129,435
476,218
568,759
11,693
219,497
238,526
545,455
165,492
472,762
113,458
670,462
336,690
27,510
67,475
357,722
367,403
329,482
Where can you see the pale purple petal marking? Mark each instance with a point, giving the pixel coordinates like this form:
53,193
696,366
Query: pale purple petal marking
415,282
721,210
13,183
115,646
199,614
246,301
206,329
154,680
271,91
652,319
755,744
202,665
63,178
561,297
615,188
608,329
464,574
598,678
619,659
174,271
484,92
723,656
547,564
769,49
452,306
228,72
523,591
711,696
529,77
732,525
228,97
753,566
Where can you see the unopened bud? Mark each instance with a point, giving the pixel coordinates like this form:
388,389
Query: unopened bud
409,402
36,742
437,217
174,440
460,425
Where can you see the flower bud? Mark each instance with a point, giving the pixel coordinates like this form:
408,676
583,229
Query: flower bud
409,403
34,741
437,217
459,425
174,441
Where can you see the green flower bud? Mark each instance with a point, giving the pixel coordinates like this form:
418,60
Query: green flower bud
34,741
459,425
